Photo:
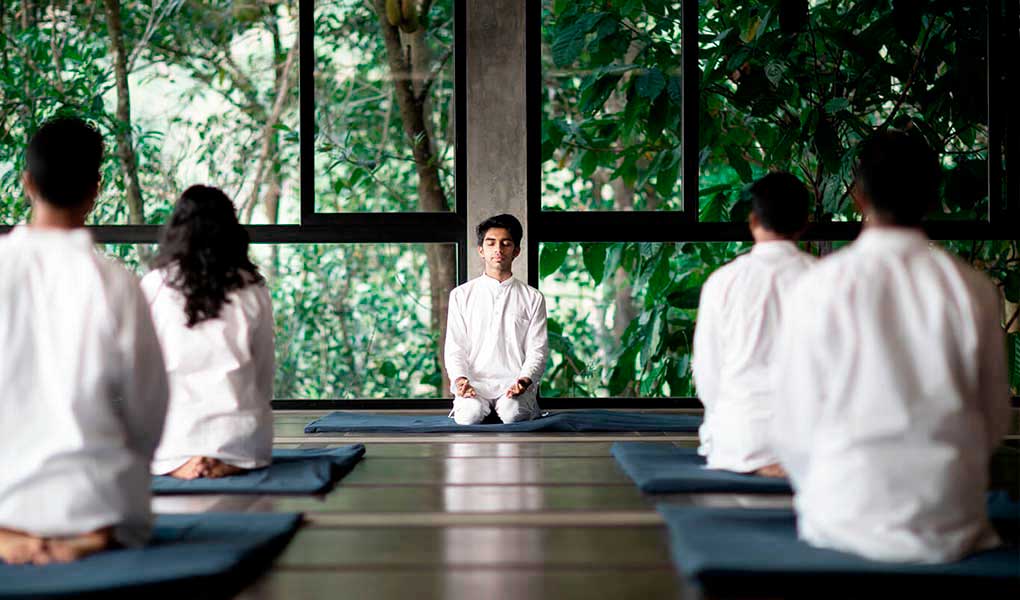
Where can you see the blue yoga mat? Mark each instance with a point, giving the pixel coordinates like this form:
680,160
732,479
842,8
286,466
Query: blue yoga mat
572,421
312,471
737,551
212,555
659,468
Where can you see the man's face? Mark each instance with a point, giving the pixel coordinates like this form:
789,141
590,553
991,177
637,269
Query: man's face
498,249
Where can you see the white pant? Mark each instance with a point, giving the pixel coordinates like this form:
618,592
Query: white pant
471,411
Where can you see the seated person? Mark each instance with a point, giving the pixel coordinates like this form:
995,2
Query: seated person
496,339
85,390
890,379
738,319
214,319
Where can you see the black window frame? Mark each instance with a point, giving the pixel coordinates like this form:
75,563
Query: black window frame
1002,222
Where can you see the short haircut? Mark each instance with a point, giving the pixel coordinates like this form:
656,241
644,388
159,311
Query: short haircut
781,203
64,158
508,222
900,175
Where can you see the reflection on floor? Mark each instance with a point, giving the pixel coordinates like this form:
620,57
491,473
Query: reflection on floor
473,517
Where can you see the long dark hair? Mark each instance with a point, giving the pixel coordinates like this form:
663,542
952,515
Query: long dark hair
205,251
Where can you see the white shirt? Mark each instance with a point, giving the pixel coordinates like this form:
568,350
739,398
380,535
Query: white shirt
496,334
891,394
221,377
84,389
738,319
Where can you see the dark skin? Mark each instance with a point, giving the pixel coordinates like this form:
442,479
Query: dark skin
498,251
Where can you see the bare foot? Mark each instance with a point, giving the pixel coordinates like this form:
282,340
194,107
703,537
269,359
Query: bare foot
17,548
68,549
218,468
197,466
774,470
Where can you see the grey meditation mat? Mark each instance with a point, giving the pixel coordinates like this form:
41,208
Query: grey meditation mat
306,471
591,421
212,555
739,552
659,468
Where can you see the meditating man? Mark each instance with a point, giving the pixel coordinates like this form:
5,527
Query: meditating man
85,390
738,319
891,389
496,339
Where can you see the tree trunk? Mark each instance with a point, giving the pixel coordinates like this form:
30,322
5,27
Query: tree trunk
441,259
125,142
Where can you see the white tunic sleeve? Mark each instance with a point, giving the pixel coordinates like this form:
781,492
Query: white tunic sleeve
145,390
536,343
706,361
264,346
457,340
798,383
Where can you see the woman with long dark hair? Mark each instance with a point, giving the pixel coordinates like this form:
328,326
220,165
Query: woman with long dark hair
214,319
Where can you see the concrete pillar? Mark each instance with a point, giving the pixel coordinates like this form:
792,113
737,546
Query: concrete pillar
496,120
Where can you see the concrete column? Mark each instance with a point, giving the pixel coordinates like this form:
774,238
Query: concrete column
496,120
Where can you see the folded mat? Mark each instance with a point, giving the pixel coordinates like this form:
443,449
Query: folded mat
311,471
659,468
739,551
212,555
572,421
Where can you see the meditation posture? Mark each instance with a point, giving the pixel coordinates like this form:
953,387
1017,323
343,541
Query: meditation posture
496,339
891,389
85,390
741,306
215,323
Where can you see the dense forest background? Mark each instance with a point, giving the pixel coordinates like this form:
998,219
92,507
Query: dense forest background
189,91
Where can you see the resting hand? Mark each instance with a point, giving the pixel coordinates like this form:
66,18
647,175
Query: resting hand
464,389
518,388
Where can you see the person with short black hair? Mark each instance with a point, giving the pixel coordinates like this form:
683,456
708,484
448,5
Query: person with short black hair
890,380
739,312
214,318
496,337
85,390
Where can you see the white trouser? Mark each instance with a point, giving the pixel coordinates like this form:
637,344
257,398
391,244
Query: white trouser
471,411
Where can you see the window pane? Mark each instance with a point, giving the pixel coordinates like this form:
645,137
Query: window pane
611,112
621,315
352,320
213,99
796,86
385,126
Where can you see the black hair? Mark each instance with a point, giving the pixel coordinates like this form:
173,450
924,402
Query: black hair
781,203
205,250
900,175
64,158
508,222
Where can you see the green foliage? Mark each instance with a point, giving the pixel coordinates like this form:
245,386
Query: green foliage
628,333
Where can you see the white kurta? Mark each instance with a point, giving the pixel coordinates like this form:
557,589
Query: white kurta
84,389
891,394
496,334
221,378
738,319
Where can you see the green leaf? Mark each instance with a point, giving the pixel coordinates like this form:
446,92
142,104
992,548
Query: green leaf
713,210
595,93
588,163
674,87
551,258
739,164
650,84
665,179
836,104
388,369
594,255
623,372
661,277
1013,342
1012,286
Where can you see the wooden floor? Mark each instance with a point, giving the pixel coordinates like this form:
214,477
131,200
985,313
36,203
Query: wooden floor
472,516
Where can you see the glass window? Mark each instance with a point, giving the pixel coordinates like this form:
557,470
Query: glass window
384,109
621,315
213,99
352,320
796,85
612,105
